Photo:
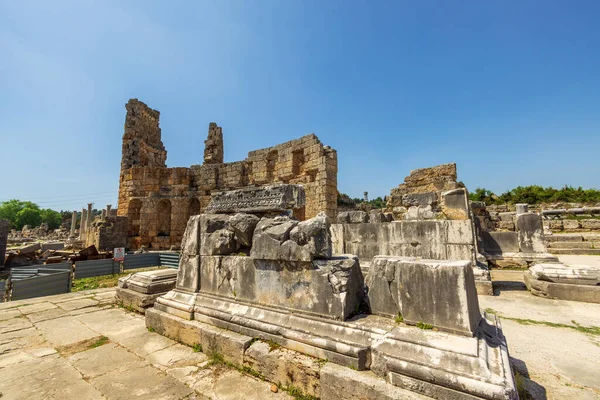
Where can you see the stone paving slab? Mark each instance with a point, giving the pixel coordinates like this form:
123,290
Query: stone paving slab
73,347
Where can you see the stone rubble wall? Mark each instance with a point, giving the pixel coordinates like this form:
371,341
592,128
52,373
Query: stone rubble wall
429,193
146,183
107,234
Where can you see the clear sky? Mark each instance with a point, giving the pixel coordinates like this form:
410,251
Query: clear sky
509,90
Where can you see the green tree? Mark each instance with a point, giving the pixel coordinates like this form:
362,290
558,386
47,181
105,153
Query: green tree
28,216
51,217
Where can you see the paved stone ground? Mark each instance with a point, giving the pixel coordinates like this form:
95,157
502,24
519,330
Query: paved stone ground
80,346
562,363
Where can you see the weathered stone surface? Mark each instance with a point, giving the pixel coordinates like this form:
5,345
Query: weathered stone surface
377,216
190,244
269,235
558,281
522,208
339,382
136,300
150,282
530,233
571,224
357,217
500,242
243,225
331,288
456,204
272,198
315,235
286,367
188,274
590,224
440,293
426,239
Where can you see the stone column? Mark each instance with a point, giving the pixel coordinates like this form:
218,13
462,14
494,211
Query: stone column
73,223
82,224
89,217
522,208
103,217
108,207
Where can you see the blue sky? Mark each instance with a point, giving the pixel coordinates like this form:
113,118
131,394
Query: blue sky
510,91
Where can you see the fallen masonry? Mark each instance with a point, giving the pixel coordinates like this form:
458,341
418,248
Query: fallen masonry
263,275
564,282
138,291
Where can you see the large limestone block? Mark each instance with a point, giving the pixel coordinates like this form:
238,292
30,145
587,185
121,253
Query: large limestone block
456,204
271,198
315,234
150,282
287,367
243,225
215,237
330,288
188,273
439,293
190,244
531,233
591,224
500,242
571,224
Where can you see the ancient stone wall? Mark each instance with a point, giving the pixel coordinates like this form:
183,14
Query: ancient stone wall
158,200
107,233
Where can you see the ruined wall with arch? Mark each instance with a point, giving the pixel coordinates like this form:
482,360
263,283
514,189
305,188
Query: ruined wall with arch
145,180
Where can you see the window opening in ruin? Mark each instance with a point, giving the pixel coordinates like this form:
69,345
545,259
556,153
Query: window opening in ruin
164,218
297,162
271,160
194,208
134,211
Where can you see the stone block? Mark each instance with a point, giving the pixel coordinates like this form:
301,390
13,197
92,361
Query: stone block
330,288
314,234
455,204
188,273
522,208
190,244
243,225
591,224
530,233
273,198
571,224
507,216
376,216
500,242
440,293
286,367
357,217
136,300
150,282
420,199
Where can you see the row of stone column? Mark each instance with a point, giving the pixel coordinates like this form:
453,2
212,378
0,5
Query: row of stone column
86,220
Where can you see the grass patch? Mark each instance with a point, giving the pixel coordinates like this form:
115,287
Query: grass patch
104,281
591,330
150,329
297,394
399,318
272,345
520,384
197,348
423,325
101,341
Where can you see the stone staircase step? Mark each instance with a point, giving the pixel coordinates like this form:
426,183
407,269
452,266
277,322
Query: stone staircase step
571,245
557,237
593,252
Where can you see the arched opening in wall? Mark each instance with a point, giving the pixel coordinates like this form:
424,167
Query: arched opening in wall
133,217
164,218
271,161
194,208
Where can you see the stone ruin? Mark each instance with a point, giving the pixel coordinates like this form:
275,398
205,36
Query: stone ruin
4,228
427,216
158,201
248,282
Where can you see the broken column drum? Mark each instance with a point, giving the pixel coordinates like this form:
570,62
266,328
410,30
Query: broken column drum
259,275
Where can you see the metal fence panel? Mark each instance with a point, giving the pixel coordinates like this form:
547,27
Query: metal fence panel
144,260
87,269
62,265
56,282
170,260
